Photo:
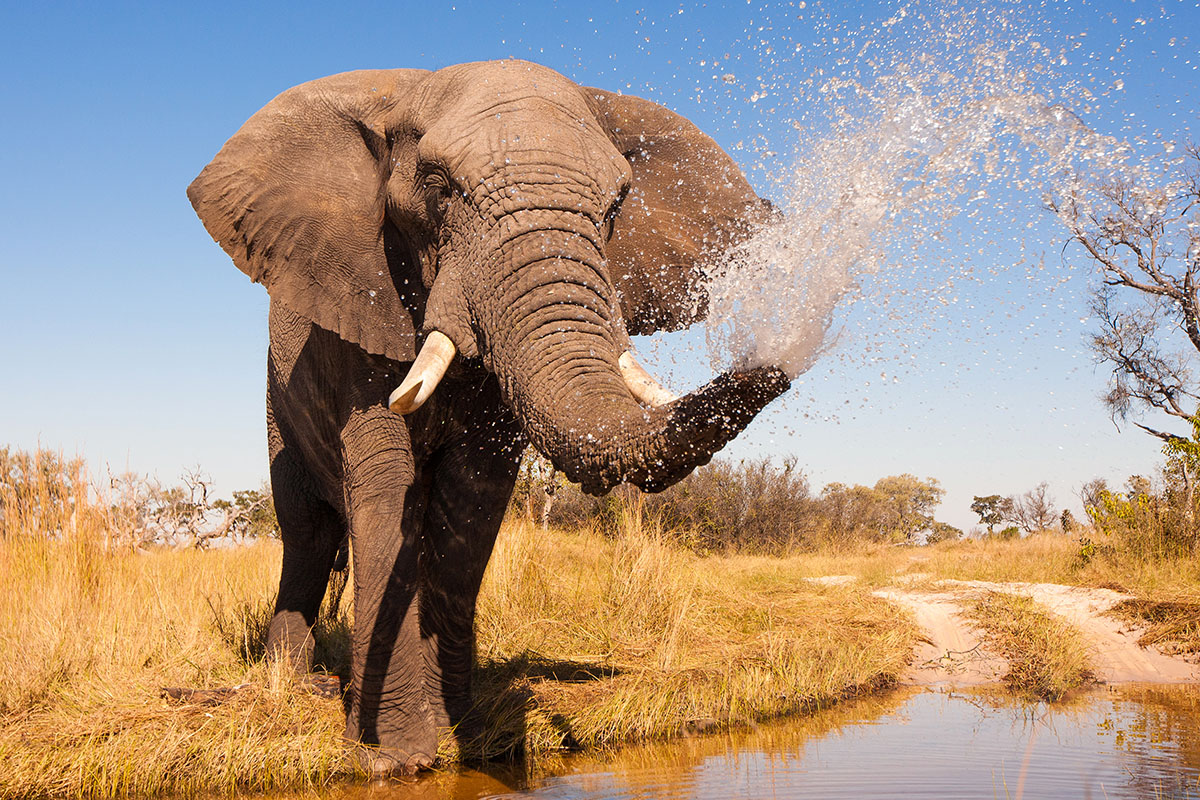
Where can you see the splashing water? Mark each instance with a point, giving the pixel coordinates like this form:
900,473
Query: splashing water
965,111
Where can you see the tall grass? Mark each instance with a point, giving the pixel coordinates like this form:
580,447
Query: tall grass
585,641
91,629
663,641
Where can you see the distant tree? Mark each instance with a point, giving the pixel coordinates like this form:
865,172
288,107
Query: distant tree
855,512
538,483
1067,521
249,515
1033,511
180,513
1139,486
943,532
908,504
1091,495
992,509
38,486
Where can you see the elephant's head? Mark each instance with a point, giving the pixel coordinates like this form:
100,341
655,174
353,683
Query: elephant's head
501,212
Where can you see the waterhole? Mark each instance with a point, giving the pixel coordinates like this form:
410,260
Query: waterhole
1110,742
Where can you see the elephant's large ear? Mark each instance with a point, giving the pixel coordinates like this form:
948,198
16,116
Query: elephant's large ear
297,200
689,203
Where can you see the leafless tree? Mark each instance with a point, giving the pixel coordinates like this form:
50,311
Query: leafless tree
1035,510
1144,239
153,514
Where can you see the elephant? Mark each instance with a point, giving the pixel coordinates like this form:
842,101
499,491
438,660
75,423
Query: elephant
456,260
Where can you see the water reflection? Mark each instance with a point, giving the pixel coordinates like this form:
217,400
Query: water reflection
1114,742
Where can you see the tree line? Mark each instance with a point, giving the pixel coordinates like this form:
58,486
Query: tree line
750,505
746,506
45,492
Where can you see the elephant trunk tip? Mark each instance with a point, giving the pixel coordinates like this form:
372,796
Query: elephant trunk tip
684,434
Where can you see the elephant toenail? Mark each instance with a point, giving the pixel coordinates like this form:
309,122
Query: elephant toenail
416,762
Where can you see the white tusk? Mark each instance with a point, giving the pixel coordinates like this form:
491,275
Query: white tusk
645,389
424,375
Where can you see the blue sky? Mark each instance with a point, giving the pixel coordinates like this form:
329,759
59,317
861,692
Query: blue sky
126,334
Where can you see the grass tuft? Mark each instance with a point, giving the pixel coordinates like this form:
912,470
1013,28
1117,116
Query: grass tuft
1171,626
1047,657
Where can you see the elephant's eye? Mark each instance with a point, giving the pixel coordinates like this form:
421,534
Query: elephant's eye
437,193
610,216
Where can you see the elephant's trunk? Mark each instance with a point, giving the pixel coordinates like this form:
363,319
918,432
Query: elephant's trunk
556,346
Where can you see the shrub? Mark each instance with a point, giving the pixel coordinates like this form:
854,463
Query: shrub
748,505
1147,521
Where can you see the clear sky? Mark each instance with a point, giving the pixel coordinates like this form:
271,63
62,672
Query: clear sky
126,335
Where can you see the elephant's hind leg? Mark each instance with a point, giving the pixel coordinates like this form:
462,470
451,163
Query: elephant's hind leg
311,531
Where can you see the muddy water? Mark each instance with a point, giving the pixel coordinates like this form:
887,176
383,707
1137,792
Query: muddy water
1113,742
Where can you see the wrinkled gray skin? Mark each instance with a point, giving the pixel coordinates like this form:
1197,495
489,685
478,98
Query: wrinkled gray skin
534,222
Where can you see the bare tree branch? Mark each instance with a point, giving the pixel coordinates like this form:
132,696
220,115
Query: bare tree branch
1144,240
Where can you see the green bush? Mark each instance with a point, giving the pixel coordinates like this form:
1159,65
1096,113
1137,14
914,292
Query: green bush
1146,521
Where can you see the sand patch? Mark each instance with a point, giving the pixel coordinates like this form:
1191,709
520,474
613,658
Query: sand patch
953,652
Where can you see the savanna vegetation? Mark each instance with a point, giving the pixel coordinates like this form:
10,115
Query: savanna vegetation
1046,656
602,621
747,507
586,639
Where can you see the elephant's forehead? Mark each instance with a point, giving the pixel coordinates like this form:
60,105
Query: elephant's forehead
529,140
476,86
526,138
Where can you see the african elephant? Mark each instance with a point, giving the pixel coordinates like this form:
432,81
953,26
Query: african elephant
486,236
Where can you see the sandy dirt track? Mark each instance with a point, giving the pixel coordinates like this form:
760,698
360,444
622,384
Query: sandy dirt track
953,653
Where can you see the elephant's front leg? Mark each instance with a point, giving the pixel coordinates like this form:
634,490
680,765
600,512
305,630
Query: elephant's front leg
387,704
472,482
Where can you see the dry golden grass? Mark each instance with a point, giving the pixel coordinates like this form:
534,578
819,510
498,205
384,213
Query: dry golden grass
90,630
650,641
1042,558
1047,657
1171,626
584,641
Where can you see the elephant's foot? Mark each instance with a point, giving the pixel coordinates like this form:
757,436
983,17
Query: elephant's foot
405,749
290,641
382,764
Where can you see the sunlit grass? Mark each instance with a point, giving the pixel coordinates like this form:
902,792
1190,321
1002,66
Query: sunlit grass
585,641
91,629
1043,558
1047,656
1171,626
674,642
